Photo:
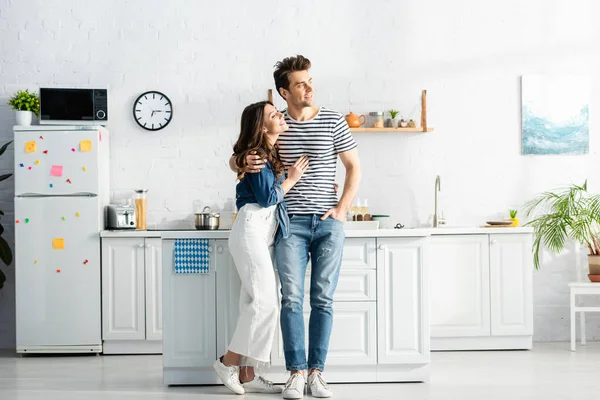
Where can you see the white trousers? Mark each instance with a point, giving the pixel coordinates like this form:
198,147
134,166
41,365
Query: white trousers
251,246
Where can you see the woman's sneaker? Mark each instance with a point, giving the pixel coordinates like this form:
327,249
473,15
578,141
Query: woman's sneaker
230,376
260,385
294,387
317,385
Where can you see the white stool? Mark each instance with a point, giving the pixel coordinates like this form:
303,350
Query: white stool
581,288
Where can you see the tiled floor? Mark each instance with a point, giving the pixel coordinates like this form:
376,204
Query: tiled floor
550,371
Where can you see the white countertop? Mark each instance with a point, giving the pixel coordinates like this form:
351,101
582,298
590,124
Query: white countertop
351,233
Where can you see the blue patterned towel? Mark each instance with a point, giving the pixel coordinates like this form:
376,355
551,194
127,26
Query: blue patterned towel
192,256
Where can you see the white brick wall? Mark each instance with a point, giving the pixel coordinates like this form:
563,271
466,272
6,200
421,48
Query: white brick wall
213,58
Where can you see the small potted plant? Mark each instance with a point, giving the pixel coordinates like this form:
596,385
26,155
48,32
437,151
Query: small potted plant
26,104
571,213
393,121
513,217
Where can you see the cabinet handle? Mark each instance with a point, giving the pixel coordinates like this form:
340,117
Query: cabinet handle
494,241
210,249
381,247
140,245
220,249
147,246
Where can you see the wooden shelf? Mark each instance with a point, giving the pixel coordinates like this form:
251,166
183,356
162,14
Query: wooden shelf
389,129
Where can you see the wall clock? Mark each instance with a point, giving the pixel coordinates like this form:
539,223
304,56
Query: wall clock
152,110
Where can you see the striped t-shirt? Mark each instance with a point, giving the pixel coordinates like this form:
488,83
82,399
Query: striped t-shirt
321,139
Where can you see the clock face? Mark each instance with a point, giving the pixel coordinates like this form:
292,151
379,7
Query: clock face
153,110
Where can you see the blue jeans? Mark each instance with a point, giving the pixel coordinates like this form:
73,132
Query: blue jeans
324,241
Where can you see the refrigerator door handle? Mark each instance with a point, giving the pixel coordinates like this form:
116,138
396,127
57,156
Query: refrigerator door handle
80,194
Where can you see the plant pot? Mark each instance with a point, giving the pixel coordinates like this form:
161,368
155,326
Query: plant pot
594,266
515,221
24,118
394,123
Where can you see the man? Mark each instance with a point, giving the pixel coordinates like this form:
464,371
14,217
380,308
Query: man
316,222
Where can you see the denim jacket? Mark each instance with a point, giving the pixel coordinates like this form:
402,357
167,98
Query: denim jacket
265,189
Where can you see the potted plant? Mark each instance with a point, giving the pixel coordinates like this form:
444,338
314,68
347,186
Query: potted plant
570,213
393,121
5,251
513,217
26,105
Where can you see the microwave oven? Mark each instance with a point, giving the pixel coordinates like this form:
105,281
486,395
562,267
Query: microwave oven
61,106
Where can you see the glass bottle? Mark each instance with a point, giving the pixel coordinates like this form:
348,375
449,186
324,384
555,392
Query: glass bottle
141,206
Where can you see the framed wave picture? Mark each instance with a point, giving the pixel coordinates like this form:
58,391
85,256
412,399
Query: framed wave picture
555,114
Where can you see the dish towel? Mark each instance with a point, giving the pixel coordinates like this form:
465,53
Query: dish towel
192,256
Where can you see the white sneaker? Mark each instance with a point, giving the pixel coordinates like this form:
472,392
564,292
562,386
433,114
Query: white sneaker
260,385
317,385
230,376
294,387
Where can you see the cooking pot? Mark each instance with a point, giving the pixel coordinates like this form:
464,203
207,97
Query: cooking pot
207,220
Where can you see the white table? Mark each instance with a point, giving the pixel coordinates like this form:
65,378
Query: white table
581,288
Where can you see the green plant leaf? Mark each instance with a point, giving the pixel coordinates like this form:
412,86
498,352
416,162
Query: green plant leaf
2,279
4,177
1,229
5,252
3,148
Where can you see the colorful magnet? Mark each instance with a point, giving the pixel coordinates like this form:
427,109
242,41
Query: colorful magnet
58,271
63,218
21,165
35,262
85,145
45,151
17,221
26,220
51,185
73,149
29,168
85,262
37,162
41,137
69,181
58,243
77,214
84,168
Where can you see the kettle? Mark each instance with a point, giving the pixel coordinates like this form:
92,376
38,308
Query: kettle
354,121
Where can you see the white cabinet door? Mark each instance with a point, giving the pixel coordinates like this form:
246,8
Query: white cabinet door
153,261
353,335
189,337
123,305
402,302
511,269
459,285
228,295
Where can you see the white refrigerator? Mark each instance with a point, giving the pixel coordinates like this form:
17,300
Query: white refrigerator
61,190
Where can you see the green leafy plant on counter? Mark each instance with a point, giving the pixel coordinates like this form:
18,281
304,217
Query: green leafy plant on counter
25,101
513,213
5,251
393,113
570,213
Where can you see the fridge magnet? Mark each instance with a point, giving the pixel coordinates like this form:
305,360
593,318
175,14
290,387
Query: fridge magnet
85,262
85,145
30,147
29,168
51,185
37,162
21,165
35,262
84,168
26,220
69,181
58,271
63,218
45,151
100,136
58,243
17,221
41,137
77,214
73,149
56,170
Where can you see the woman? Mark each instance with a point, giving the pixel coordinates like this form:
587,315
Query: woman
260,209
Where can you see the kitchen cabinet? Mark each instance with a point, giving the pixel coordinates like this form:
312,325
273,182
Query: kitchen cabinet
481,291
380,325
132,295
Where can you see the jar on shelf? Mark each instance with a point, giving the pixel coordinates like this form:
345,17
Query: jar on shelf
376,119
141,207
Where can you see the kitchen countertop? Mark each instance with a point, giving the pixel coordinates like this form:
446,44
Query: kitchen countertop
351,233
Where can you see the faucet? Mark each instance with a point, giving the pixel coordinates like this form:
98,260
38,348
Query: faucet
437,189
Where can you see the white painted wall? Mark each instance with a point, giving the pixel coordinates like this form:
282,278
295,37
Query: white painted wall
213,58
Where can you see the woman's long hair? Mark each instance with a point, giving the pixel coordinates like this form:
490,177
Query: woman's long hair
252,138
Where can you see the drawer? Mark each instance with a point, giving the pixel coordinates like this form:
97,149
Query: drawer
353,285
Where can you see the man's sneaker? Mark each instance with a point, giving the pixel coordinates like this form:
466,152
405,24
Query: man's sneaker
260,385
317,385
230,376
294,387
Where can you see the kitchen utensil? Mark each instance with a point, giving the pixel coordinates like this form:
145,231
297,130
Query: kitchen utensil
354,121
207,220
499,223
120,216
